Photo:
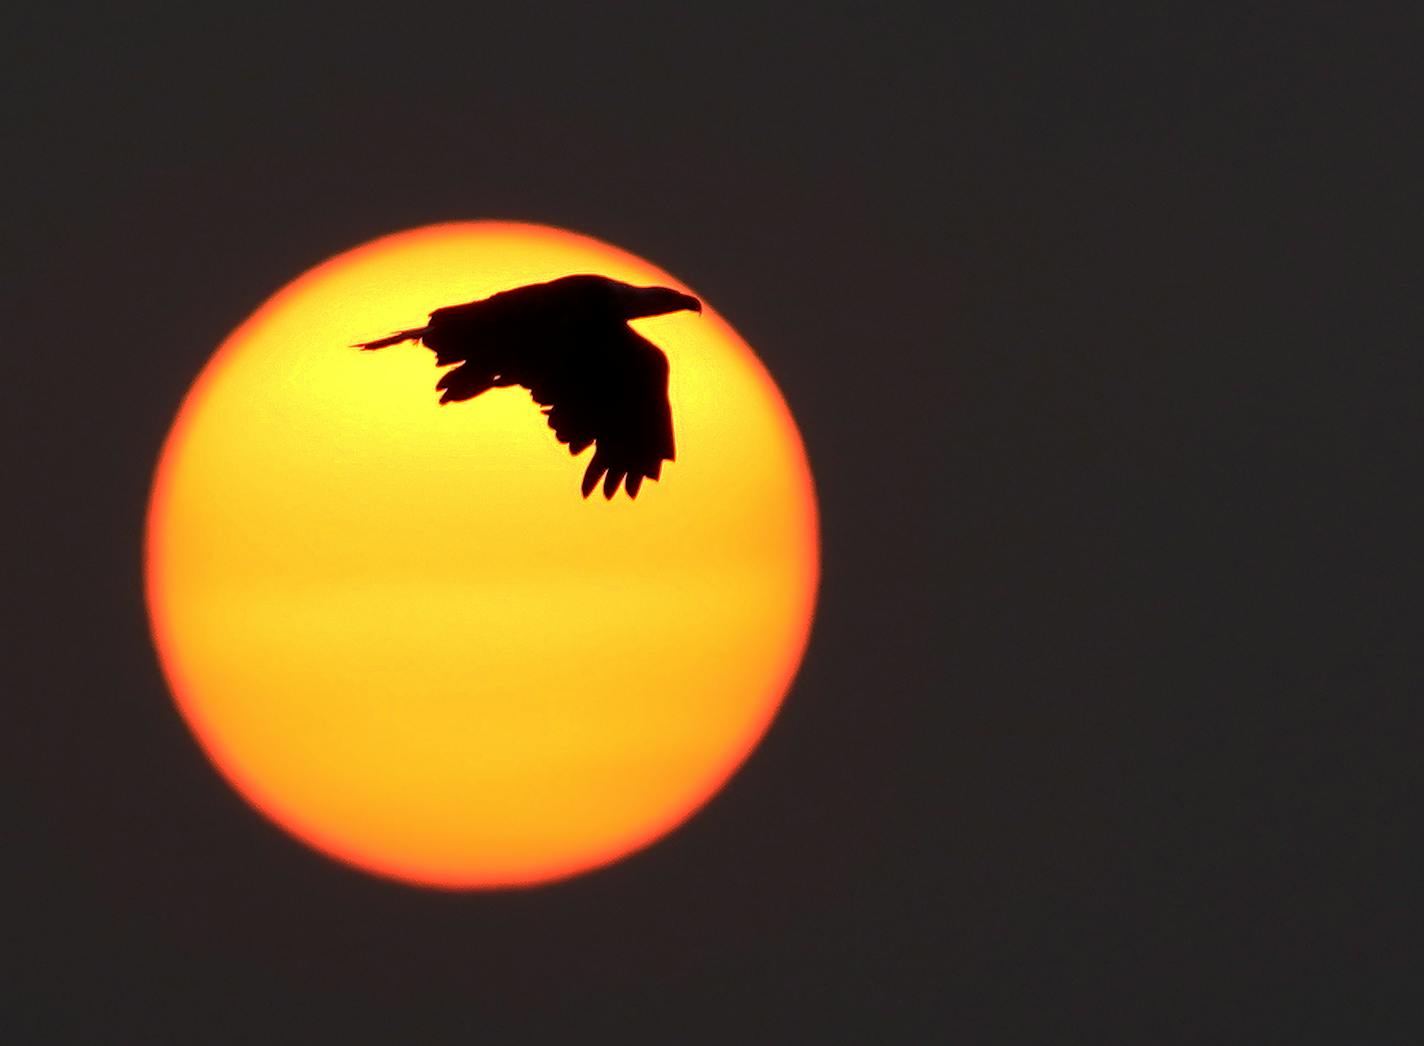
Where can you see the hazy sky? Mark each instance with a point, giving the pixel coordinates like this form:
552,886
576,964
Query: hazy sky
1094,330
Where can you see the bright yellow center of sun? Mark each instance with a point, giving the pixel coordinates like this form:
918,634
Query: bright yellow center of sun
398,629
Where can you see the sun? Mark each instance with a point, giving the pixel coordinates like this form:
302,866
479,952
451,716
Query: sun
398,630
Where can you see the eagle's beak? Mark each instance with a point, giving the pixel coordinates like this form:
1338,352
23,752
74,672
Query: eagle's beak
637,302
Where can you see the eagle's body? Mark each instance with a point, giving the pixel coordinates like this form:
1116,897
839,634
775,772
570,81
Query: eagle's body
568,342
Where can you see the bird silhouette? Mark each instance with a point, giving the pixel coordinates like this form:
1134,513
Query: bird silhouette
568,342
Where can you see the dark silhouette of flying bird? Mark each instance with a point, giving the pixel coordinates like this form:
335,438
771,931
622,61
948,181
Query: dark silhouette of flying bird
568,342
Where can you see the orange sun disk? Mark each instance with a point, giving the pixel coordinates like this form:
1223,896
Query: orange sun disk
399,631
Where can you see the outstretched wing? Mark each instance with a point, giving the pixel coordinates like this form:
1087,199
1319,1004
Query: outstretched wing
615,397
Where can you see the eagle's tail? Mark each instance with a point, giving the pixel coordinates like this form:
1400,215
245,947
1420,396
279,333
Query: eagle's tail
414,334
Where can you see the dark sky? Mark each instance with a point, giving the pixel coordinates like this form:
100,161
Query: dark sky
1100,336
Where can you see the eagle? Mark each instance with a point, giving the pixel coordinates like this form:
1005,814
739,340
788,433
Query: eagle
568,342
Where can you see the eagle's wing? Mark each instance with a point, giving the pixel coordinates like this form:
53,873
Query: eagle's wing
614,396
485,330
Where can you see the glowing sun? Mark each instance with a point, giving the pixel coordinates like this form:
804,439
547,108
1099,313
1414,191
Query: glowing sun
400,632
